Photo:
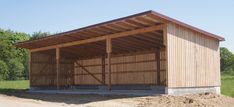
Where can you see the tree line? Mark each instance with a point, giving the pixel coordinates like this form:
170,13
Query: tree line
226,60
14,61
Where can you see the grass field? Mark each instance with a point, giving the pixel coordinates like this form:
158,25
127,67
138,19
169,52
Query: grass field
6,86
227,87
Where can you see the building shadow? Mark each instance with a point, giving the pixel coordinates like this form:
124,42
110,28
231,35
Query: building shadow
63,98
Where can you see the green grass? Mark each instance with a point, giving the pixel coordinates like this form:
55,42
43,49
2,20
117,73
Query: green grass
8,86
227,86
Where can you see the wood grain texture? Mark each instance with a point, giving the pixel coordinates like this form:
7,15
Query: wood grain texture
188,59
193,58
101,38
43,70
125,69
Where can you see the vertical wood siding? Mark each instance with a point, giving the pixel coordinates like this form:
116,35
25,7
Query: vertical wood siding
126,69
193,59
43,71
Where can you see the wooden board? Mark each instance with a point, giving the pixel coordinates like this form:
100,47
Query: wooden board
43,70
193,58
126,69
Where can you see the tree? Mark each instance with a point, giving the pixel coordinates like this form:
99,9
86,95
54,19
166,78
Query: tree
15,60
3,70
226,60
37,35
16,70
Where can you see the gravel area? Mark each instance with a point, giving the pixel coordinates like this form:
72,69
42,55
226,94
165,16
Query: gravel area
25,99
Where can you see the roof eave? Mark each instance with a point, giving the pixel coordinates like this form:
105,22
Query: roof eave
220,38
163,17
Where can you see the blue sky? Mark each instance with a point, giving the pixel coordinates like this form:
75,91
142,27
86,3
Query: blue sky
215,16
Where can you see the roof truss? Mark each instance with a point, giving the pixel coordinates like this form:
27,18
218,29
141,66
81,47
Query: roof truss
102,38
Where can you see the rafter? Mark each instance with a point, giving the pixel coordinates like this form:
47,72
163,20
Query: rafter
101,38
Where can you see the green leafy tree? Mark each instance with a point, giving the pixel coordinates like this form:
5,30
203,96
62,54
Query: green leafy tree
37,35
226,60
16,71
3,70
16,59
13,60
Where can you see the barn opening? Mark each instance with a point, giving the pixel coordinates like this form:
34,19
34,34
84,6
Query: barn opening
130,62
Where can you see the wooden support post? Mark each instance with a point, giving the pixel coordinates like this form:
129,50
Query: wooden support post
103,70
109,50
30,67
57,66
165,52
74,73
158,66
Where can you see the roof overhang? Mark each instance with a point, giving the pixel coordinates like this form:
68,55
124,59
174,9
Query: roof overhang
114,27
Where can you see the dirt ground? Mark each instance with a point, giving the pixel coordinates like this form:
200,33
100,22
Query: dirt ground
24,99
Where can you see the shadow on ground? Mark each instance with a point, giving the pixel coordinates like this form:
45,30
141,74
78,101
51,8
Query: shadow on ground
62,98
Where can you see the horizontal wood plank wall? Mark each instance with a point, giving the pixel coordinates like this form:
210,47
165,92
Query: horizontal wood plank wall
193,59
44,71
126,69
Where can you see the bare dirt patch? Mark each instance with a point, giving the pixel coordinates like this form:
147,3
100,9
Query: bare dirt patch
24,99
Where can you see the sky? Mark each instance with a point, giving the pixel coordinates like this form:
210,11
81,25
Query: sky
215,16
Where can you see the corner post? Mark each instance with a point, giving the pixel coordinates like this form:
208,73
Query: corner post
30,67
158,65
57,66
165,51
109,50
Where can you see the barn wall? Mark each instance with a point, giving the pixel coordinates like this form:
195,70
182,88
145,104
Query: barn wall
43,70
193,59
134,68
126,69
66,73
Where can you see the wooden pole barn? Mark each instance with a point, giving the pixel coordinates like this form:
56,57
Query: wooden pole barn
143,51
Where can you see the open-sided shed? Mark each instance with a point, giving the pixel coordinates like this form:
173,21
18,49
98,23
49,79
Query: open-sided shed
143,51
